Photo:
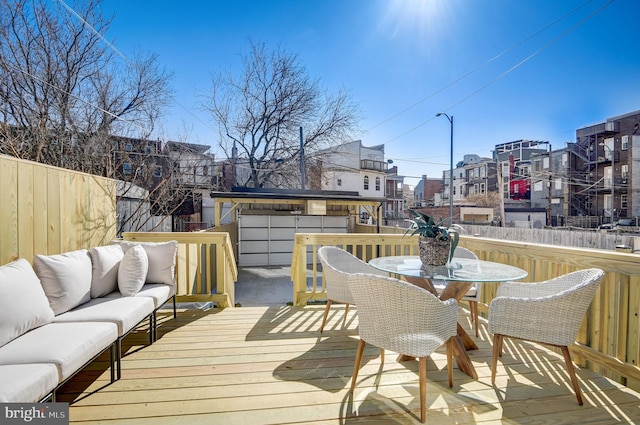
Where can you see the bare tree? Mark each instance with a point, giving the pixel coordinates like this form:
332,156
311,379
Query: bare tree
63,91
260,113
487,199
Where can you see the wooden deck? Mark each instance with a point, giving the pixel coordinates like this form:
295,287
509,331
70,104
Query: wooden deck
270,365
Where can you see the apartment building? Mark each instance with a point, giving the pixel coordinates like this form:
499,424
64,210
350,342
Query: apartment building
601,179
354,167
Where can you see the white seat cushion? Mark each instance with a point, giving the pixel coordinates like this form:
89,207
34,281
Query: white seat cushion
105,261
27,383
159,292
65,278
68,345
125,312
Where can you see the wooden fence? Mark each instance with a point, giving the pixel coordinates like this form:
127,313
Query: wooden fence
49,210
609,339
205,267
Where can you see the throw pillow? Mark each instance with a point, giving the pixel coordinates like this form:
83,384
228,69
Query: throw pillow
132,271
105,261
23,304
162,259
65,278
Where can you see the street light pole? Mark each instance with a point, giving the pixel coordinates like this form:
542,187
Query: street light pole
611,152
450,118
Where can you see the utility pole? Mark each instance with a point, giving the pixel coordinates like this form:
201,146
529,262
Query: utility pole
501,192
302,177
549,201
450,118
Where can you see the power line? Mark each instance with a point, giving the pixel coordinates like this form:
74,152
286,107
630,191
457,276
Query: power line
513,68
76,97
123,56
476,69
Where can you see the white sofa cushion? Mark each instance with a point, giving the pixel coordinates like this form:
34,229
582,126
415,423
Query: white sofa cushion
65,278
27,383
132,271
105,261
125,312
23,303
162,259
68,345
158,292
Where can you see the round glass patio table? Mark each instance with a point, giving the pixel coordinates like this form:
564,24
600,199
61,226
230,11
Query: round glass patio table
460,269
461,274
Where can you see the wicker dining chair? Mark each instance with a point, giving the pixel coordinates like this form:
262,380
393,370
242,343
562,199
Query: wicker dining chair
549,312
473,294
401,317
336,265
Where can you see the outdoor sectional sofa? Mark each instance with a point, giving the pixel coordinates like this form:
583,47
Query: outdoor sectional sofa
58,315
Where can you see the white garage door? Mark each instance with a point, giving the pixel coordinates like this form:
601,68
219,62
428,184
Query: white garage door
267,240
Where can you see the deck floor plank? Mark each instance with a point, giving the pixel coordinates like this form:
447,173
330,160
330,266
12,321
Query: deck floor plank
270,365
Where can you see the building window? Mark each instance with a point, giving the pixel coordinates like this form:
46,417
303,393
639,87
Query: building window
157,172
623,202
625,143
339,183
366,182
147,150
625,171
378,184
128,147
126,168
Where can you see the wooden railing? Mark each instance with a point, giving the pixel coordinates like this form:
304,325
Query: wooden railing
609,341
205,266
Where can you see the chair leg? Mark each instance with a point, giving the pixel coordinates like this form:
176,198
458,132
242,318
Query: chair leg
356,367
326,313
473,307
344,319
382,356
572,373
449,347
497,348
422,366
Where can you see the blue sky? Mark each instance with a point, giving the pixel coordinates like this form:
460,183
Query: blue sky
505,69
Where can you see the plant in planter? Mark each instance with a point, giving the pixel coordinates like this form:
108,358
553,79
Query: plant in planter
436,242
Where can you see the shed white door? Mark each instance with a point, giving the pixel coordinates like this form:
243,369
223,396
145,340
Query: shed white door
267,240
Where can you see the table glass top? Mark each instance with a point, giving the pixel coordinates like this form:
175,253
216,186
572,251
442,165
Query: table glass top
462,269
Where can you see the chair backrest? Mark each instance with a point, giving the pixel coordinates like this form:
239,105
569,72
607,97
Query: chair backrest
461,252
401,317
336,265
557,306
